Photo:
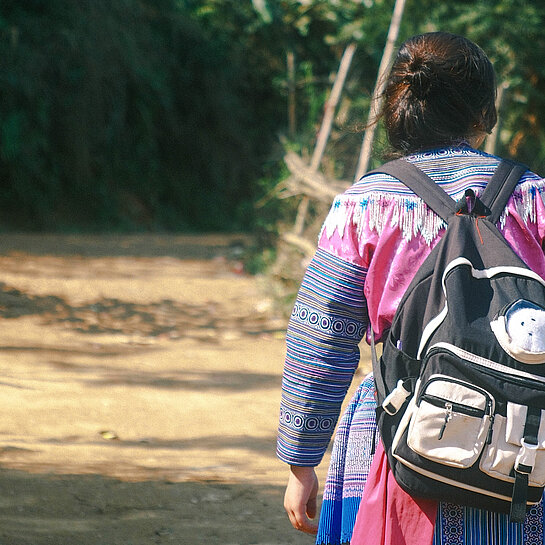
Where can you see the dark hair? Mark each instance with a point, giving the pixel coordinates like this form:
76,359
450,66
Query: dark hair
441,90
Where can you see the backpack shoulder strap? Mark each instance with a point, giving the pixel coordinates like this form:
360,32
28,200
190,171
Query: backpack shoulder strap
422,185
501,186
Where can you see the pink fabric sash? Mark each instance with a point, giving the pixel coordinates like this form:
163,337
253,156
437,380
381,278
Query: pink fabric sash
387,514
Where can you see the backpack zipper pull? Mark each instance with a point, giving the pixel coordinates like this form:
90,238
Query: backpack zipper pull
490,431
448,416
491,424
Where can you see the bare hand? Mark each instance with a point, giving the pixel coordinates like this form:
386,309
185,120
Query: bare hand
300,498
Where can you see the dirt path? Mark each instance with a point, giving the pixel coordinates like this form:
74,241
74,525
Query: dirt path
140,386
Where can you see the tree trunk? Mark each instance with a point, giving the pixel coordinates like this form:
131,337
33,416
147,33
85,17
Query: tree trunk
376,99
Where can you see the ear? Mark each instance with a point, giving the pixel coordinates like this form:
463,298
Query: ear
476,140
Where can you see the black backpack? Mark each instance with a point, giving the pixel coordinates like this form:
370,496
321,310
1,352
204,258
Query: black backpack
461,380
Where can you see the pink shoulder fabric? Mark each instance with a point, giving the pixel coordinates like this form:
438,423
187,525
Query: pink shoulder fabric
385,239
388,515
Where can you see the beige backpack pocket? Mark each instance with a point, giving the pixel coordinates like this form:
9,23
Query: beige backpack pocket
507,447
450,422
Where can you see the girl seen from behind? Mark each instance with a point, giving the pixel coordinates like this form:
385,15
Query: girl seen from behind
438,108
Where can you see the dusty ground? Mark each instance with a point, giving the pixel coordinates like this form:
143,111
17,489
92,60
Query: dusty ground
139,385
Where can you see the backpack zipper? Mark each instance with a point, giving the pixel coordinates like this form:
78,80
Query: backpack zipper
446,378
452,406
494,368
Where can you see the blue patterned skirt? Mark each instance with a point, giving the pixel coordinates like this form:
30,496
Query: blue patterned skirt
353,450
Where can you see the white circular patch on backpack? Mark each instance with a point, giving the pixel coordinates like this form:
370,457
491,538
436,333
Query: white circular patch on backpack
525,324
521,331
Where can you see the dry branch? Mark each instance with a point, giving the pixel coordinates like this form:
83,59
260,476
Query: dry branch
308,248
307,181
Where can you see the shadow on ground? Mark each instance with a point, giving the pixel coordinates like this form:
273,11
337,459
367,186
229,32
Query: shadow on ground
108,315
138,245
100,511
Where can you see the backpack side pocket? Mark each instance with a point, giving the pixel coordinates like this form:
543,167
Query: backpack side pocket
451,421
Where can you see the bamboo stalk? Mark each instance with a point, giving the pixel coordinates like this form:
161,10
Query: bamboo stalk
302,211
492,138
292,123
325,129
331,105
376,99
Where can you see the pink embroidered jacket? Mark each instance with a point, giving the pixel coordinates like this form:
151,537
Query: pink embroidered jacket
373,240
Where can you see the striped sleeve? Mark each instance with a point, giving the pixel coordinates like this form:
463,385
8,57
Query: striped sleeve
328,321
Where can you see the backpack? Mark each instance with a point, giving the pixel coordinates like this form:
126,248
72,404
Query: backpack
460,384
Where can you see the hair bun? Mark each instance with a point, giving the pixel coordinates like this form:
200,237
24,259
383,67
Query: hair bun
420,78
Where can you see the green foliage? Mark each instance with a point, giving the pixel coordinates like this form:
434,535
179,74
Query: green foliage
123,115
166,114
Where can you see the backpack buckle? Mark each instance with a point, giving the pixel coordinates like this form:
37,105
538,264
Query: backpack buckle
395,399
526,458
